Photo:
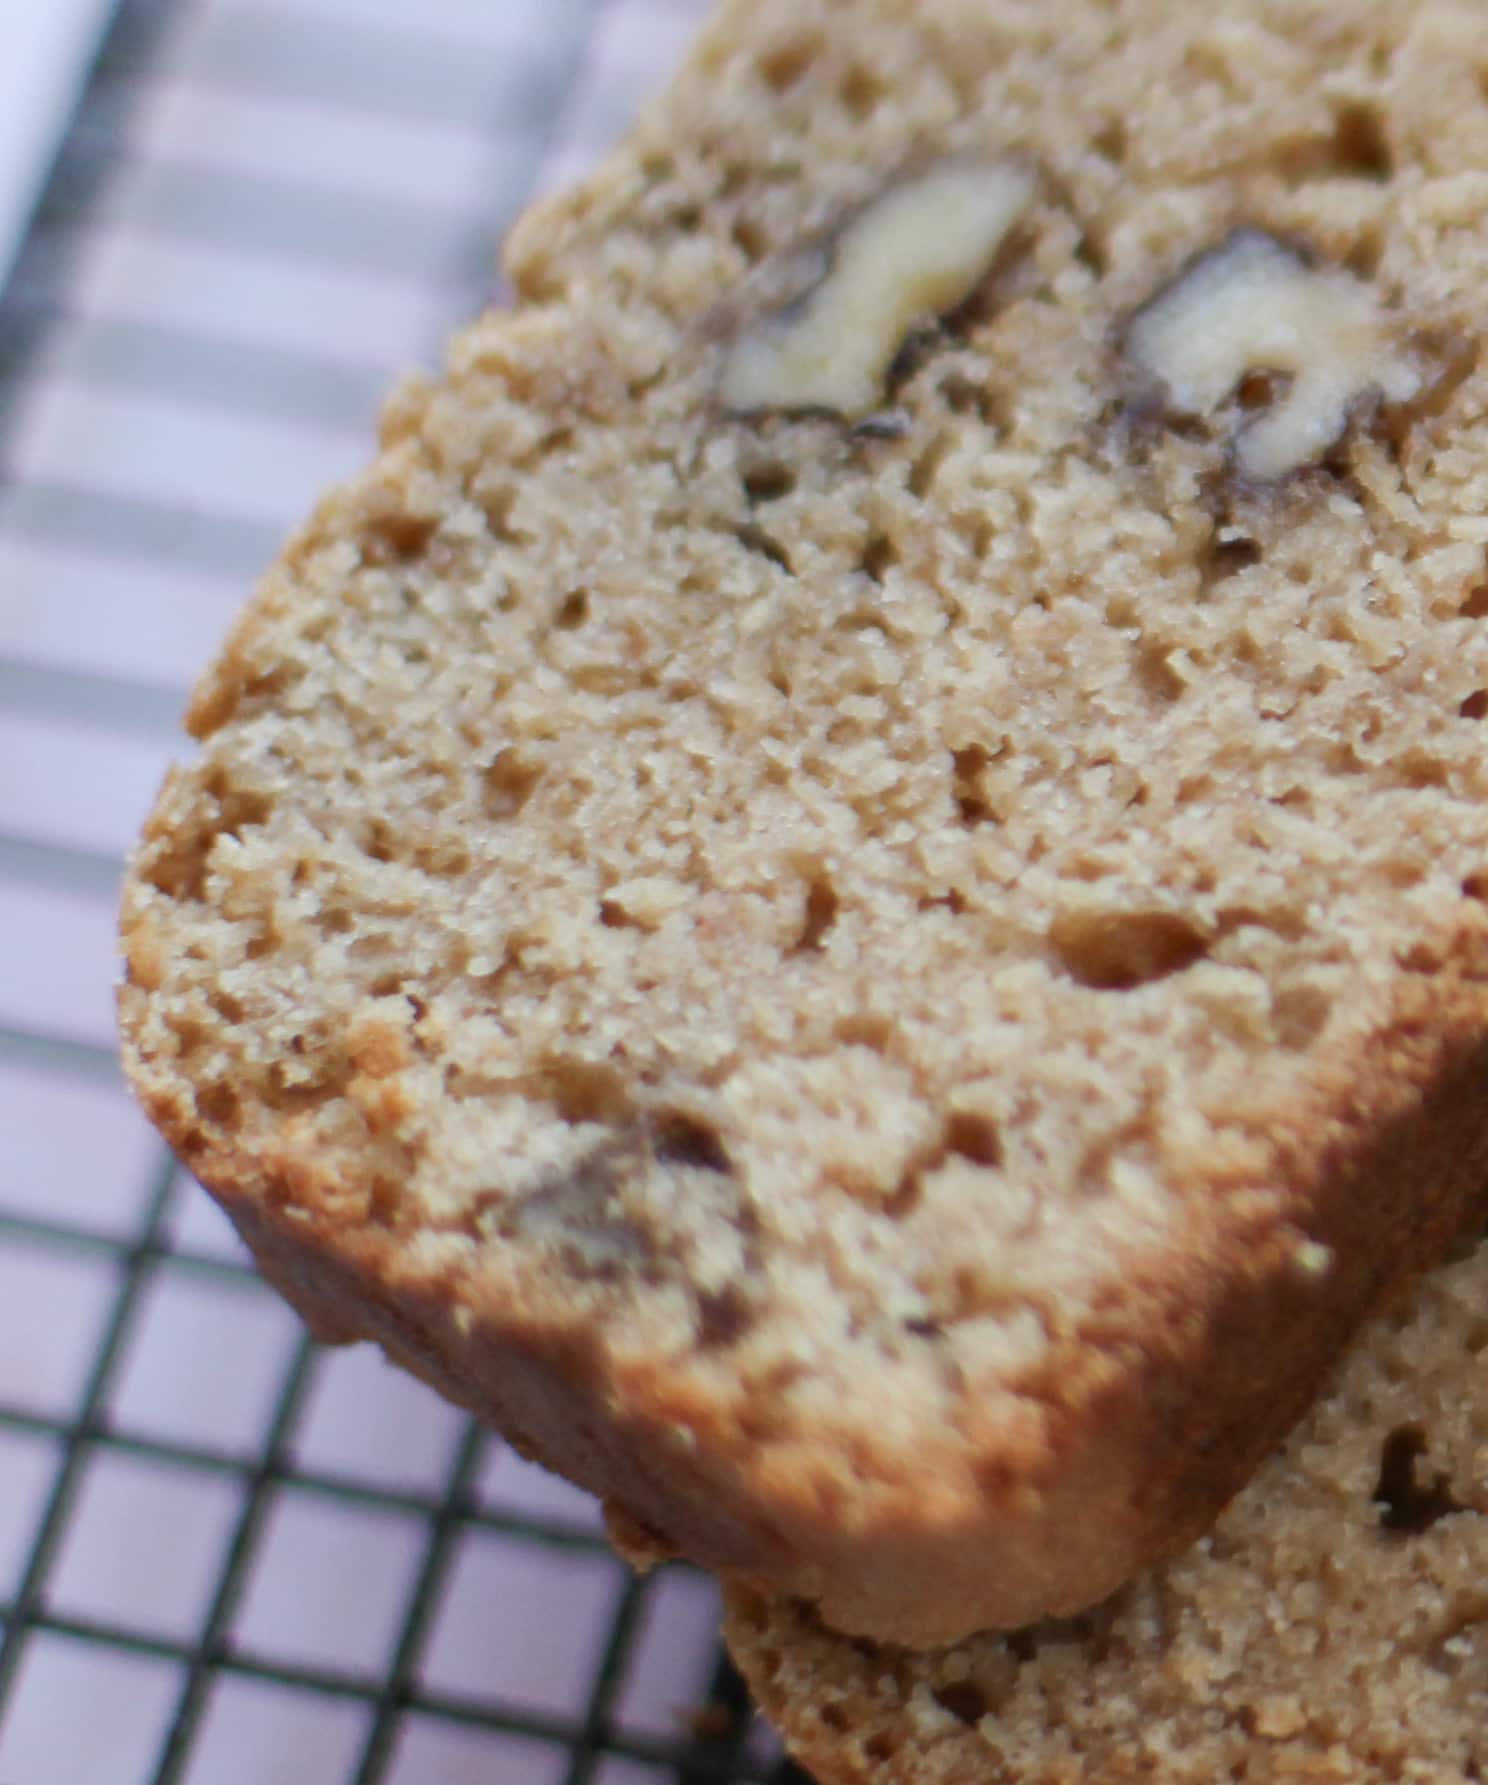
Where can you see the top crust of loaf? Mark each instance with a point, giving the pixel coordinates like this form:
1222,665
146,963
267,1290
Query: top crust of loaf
1332,1629
884,994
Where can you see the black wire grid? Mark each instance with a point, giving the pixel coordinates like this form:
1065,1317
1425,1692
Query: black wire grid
720,1740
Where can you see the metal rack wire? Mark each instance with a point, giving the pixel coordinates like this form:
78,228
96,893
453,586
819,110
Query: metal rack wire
137,1237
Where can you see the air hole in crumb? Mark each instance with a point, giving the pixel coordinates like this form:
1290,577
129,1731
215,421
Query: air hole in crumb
1475,886
858,619
964,1699
1156,674
723,1318
879,1747
396,538
1458,1638
1261,389
1227,557
1476,704
1110,140
327,1081
1116,951
586,1091
923,472
906,1196
375,945
219,1105
964,397
497,505
751,238
880,555
822,906
1361,143
229,1008
573,610
1363,259
783,64
1298,1014
967,765
1406,874
610,678
756,539
769,482
384,1201
978,535
1418,769
1091,253
862,90
973,1137
1411,1502
379,842
446,858
681,1139
238,808
507,783
1475,603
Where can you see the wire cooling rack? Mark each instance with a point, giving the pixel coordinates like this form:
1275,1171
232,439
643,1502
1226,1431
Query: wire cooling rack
224,1555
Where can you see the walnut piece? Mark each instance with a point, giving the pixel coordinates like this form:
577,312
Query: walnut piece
1253,305
914,252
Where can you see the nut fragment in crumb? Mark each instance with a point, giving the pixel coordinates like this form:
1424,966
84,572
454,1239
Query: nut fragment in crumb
915,252
1313,1258
1254,305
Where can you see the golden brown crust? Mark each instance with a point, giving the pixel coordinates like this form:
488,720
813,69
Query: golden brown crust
883,1000
1090,1507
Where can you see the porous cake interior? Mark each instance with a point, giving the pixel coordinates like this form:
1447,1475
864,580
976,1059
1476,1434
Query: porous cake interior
830,892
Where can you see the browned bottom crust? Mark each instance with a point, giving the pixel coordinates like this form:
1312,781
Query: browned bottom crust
1333,1628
